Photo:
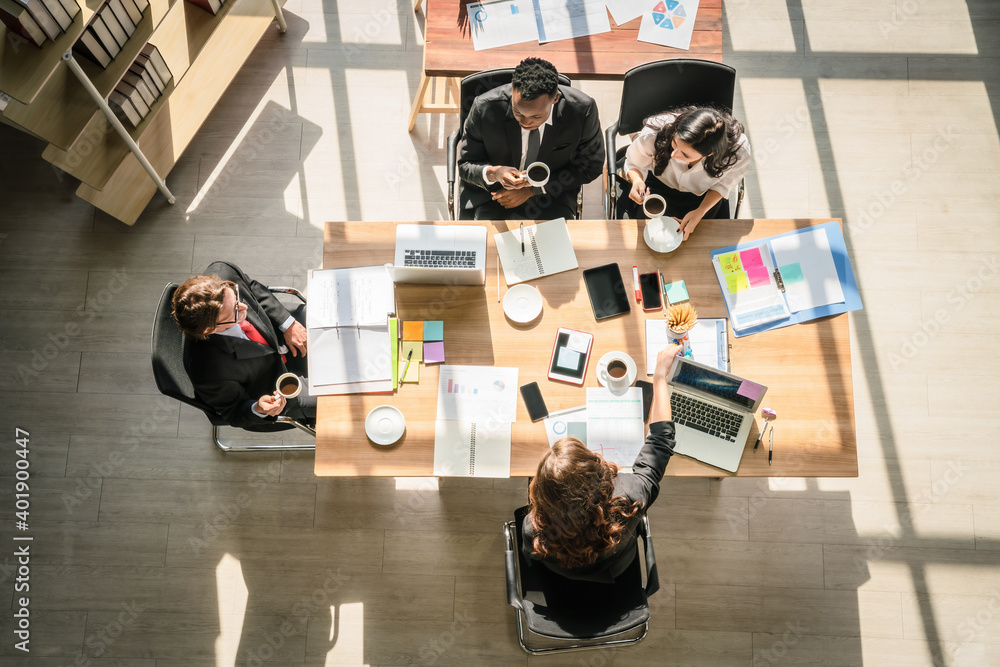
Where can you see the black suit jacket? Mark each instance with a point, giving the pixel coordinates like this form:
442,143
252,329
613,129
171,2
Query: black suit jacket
643,485
230,374
572,146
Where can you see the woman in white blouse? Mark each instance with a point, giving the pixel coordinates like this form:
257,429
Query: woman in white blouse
692,157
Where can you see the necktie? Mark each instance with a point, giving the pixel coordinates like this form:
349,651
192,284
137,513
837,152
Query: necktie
531,155
254,335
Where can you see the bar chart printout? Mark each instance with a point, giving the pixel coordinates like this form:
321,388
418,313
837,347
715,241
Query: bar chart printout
477,393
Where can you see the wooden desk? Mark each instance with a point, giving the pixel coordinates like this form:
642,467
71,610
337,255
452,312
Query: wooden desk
807,367
448,46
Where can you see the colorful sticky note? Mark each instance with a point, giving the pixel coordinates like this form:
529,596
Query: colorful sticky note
737,282
413,330
676,292
434,352
415,345
730,262
751,258
433,330
791,273
751,390
412,374
758,275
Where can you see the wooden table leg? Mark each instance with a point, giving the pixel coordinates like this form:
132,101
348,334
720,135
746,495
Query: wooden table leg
443,90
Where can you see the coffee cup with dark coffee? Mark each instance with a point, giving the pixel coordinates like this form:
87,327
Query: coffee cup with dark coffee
537,174
614,374
289,385
654,206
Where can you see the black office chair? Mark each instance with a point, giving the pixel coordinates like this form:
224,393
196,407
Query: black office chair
556,614
655,87
168,348
473,86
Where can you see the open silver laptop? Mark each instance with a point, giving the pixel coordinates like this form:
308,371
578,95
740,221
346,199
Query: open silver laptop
440,254
713,412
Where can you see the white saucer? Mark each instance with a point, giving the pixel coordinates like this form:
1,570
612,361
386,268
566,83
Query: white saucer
630,370
663,234
385,425
522,303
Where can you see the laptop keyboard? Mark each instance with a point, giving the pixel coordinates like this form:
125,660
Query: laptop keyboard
705,417
460,259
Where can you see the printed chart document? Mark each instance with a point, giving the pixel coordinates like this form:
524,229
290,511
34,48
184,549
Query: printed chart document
477,393
566,19
350,342
471,449
805,263
614,424
623,11
548,249
669,23
501,22
749,286
709,342
568,422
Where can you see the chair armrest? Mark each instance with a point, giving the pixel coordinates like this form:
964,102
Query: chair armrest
510,565
288,290
285,419
451,152
652,578
610,136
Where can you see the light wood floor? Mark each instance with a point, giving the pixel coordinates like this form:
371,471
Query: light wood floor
150,548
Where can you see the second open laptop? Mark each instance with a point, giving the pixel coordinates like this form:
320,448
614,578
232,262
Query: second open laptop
440,255
713,412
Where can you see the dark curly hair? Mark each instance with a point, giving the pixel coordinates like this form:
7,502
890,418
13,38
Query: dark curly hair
535,77
712,132
197,303
575,517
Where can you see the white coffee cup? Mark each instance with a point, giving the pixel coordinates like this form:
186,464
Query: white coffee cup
535,169
654,206
289,385
614,374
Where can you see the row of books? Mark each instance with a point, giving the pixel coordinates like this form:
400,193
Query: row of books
38,20
110,28
144,82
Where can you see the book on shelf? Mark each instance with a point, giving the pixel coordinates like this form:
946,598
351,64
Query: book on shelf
59,13
118,9
90,47
71,7
42,17
116,29
136,82
151,83
100,30
18,20
142,62
141,4
151,53
135,96
124,109
133,11
210,6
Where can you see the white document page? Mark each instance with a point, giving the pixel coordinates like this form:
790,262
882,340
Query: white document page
347,297
349,354
566,19
708,343
468,449
501,22
669,23
816,282
614,424
565,423
483,394
623,11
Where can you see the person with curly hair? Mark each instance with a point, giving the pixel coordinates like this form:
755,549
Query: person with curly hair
692,157
531,119
583,515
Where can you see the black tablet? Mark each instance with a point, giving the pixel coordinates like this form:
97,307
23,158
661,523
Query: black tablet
608,296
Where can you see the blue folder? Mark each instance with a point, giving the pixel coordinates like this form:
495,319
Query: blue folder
852,300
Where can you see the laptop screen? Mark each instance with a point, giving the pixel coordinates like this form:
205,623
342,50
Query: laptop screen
714,383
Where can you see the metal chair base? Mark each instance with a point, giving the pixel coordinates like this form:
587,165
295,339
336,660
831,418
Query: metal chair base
311,447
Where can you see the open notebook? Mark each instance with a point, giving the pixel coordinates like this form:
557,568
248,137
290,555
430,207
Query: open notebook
548,249
471,449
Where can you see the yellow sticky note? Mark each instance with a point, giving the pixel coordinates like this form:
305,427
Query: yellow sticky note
413,330
418,350
730,262
413,374
736,282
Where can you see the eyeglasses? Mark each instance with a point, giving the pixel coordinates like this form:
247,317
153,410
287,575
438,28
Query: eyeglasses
236,308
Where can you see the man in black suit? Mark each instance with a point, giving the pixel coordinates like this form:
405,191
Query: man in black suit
235,354
531,119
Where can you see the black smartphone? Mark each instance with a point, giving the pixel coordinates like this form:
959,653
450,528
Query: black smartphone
532,396
649,286
647,397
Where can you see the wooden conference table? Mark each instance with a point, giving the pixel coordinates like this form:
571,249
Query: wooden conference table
806,367
448,49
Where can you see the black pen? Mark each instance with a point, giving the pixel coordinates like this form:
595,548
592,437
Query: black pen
522,238
770,445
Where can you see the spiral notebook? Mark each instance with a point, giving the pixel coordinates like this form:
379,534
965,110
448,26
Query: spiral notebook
548,249
471,449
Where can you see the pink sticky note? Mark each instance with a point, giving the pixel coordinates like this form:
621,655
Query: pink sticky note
751,258
758,276
434,353
751,390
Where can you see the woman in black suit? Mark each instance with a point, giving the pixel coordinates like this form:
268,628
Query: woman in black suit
583,515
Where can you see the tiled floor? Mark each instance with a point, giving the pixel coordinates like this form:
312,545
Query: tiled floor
153,549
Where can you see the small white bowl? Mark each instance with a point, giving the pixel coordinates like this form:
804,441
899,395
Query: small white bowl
384,425
522,303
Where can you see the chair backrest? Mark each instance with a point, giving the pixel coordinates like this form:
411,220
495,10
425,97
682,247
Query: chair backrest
654,87
476,84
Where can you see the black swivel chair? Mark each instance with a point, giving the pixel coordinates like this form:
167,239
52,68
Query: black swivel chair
168,348
655,87
556,614
473,86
